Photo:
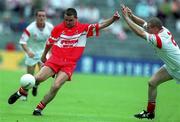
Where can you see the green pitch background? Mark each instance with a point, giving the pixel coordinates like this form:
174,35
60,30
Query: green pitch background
90,98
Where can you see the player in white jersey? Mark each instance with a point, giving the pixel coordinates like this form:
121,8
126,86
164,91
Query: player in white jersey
33,42
165,47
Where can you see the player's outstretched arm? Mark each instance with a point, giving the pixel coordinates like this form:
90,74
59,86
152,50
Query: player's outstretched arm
136,28
46,50
133,17
109,21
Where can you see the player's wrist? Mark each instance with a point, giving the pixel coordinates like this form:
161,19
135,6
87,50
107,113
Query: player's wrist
116,16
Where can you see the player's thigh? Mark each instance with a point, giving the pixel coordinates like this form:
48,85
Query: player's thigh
44,73
160,76
61,78
30,69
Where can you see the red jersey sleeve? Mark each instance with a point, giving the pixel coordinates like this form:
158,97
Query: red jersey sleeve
92,29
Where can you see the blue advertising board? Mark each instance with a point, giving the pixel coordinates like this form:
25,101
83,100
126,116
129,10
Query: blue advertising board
117,66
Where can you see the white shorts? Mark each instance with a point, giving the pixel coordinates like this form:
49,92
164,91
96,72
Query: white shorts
32,61
174,73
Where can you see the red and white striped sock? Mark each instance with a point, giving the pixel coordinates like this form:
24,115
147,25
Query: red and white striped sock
151,107
40,106
22,91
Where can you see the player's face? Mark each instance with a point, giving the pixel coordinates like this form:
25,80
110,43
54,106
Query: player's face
149,28
152,29
41,17
69,21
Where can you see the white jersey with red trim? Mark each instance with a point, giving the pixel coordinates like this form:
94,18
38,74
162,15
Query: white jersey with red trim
69,43
35,37
166,48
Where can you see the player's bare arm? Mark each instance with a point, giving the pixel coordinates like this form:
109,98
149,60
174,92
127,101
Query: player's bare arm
136,28
46,50
109,21
29,53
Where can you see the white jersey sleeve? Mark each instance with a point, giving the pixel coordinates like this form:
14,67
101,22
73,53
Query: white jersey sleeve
154,39
25,36
27,33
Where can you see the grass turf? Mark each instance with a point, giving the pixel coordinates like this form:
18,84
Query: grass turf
90,98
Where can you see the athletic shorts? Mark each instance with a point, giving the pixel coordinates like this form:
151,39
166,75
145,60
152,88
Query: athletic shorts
32,61
174,73
64,65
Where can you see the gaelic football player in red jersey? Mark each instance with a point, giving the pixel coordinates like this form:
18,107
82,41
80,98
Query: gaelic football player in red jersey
67,43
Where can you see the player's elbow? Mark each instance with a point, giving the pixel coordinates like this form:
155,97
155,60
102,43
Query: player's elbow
141,34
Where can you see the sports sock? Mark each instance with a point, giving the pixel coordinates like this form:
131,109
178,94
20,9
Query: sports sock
22,91
151,107
40,106
35,86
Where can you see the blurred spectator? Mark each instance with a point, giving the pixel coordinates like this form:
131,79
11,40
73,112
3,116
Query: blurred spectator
164,11
5,24
38,4
175,7
117,29
22,24
28,8
57,7
50,11
83,12
88,13
94,13
178,25
11,4
19,25
2,5
22,7
152,8
110,3
142,9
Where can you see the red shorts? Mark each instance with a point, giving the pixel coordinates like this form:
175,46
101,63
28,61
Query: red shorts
64,65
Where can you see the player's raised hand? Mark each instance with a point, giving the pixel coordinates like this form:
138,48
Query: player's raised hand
122,6
116,16
129,11
124,10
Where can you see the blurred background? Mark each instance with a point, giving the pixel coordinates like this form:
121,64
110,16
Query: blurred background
117,51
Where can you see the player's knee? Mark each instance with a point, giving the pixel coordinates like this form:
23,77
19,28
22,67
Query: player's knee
56,86
39,78
152,84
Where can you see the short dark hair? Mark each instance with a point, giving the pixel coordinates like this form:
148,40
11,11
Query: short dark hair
70,12
155,22
39,10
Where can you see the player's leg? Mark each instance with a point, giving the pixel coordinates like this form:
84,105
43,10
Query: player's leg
30,70
61,78
41,76
159,77
34,89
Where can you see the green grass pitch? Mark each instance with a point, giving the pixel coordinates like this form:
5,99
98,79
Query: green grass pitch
90,98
